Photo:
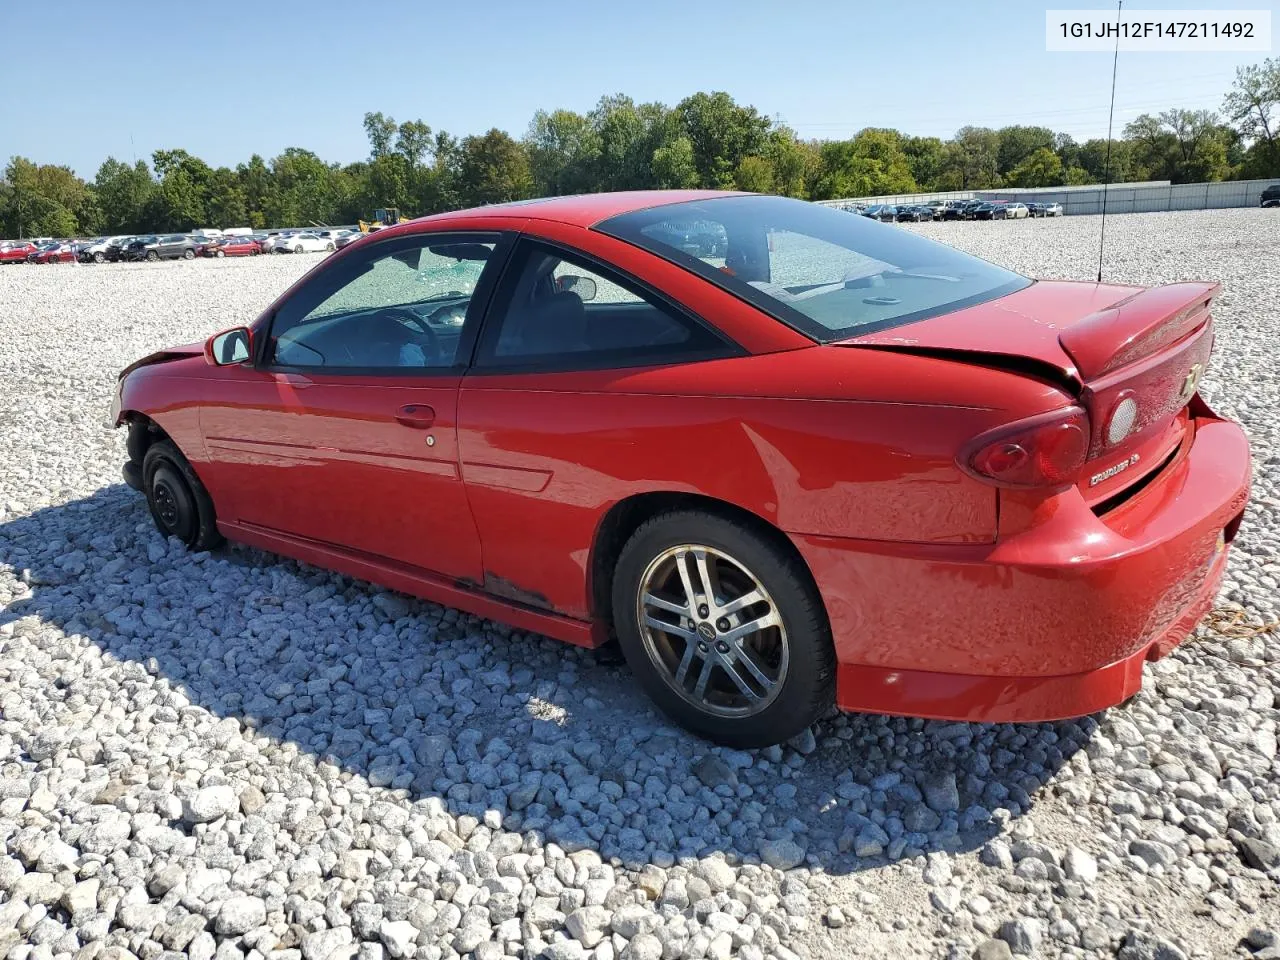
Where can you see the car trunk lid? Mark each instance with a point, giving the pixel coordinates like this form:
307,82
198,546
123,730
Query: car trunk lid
1121,351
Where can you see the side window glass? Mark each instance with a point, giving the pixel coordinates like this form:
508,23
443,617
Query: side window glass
396,309
562,312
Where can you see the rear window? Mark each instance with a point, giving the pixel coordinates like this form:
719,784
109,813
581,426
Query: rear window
827,273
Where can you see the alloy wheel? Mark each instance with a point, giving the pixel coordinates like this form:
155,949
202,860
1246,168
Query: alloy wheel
713,631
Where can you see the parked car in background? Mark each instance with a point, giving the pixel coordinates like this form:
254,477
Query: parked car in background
1270,196
1016,211
1051,209
96,251
16,251
332,236
348,237
989,210
115,251
56,252
306,243
885,213
932,488
276,242
171,246
914,214
232,247
951,210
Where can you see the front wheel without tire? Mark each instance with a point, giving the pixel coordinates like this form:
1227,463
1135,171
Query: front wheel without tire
179,504
724,628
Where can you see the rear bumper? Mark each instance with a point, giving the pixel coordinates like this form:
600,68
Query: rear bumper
1051,623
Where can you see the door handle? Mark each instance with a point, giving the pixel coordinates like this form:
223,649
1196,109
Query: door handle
417,415
296,380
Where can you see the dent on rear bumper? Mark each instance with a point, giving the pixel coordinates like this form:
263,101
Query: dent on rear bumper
1052,623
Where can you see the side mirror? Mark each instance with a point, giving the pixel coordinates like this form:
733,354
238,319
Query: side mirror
584,287
228,347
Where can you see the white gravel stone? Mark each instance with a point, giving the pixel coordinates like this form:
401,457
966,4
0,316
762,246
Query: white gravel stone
210,804
184,735
240,915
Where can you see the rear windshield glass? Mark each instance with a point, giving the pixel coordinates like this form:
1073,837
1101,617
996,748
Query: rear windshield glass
827,273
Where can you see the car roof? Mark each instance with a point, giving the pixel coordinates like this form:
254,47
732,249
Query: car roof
581,210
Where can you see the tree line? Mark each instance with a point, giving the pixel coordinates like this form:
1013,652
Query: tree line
706,140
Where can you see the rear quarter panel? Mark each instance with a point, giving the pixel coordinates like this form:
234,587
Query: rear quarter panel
829,441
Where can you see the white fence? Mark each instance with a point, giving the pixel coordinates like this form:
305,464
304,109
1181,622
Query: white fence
1120,197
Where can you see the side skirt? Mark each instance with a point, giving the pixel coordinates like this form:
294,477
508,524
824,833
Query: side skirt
418,583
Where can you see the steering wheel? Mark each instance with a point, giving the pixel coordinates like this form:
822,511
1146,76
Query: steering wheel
428,340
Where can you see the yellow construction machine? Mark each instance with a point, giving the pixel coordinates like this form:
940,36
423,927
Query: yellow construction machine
382,218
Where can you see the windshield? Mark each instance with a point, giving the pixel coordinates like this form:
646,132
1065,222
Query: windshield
829,275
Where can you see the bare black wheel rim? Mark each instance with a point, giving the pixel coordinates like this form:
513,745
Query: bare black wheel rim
712,630
166,502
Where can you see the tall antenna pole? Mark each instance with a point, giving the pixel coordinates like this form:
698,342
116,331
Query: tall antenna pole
1106,164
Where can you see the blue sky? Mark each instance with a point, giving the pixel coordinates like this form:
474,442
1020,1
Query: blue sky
87,80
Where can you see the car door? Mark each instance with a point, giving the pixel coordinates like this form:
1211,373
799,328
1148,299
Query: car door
344,428
555,404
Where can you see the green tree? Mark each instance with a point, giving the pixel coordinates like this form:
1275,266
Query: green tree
226,205
871,164
794,164
722,133
413,142
1042,169
1253,106
381,131
628,135
1018,143
754,174
303,190
1092,158
493,168
564,150
673,165
257,184
123,195
44,200
971,160
1184,146
924,158
179,203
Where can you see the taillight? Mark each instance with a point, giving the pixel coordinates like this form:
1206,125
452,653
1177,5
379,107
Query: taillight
1046,450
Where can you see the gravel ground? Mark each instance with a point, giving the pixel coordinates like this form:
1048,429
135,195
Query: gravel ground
231,756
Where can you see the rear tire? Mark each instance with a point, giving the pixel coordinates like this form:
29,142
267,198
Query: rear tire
179,503
99,258
298,248
188,254
788,664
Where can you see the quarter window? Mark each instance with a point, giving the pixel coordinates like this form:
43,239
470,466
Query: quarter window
565,312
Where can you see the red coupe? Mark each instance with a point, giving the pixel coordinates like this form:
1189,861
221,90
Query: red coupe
784,454
232,247
53,253
16,251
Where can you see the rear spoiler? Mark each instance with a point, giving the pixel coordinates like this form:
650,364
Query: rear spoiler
1137,327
